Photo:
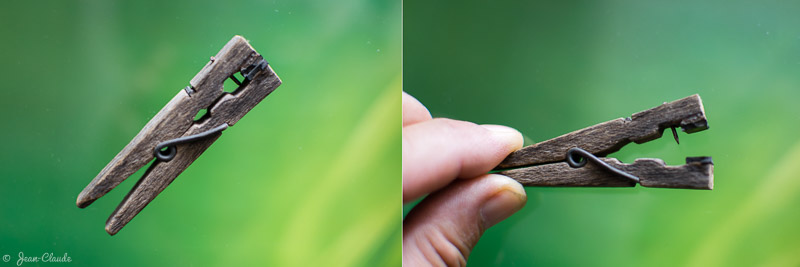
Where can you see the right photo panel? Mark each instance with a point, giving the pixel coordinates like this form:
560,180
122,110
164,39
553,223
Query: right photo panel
614,133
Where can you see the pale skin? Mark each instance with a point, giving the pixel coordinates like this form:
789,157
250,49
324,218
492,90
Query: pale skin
448,161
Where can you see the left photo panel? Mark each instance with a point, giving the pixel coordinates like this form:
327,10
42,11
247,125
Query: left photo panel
201,133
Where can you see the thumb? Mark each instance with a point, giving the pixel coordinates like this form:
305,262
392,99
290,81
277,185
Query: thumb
445,226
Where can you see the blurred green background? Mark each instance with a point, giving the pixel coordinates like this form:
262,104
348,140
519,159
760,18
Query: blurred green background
551,67
310,177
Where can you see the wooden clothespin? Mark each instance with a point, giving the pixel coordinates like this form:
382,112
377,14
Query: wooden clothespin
174,138
561,161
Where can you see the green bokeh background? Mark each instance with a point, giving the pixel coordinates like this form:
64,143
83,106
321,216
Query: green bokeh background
550,67
310,177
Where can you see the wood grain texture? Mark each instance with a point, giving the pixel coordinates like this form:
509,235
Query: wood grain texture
176,119
652,173
608,137
228,110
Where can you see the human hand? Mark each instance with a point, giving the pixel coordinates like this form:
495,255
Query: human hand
449,159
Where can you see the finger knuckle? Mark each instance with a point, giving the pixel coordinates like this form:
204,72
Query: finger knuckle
451,251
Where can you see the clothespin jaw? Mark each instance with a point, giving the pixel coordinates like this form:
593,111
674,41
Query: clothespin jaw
175,138
561,161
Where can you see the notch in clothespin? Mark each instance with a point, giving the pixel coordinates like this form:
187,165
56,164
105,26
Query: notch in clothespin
175,138
562,161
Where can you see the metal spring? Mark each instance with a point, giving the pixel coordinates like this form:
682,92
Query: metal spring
582,160
171,151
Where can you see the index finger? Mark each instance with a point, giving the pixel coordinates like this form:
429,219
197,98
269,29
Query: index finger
436,152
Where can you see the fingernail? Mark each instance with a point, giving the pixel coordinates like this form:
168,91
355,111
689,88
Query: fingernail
510,135
510,199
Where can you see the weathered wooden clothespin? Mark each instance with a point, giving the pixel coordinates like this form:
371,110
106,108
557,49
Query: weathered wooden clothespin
561,161
175,138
